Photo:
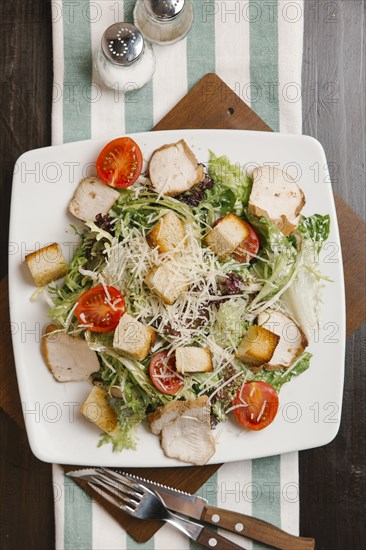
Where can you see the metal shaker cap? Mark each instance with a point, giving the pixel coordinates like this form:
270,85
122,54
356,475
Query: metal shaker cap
163,10
122,43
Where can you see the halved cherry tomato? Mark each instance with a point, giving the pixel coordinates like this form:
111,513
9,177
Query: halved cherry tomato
120,163
101,310
163,374
256,405
244,252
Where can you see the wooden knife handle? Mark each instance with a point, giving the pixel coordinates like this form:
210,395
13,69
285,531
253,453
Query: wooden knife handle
211,539
255,529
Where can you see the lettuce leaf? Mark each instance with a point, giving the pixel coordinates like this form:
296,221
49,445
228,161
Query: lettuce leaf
279,264
230,325
278,378
231,189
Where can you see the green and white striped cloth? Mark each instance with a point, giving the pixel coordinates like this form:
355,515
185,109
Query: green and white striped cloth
256,48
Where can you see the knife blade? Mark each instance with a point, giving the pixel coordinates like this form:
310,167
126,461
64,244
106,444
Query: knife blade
197,508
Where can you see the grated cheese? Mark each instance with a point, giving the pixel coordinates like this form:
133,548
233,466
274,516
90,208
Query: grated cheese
262,410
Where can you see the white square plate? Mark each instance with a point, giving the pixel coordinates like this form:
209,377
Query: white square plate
44,181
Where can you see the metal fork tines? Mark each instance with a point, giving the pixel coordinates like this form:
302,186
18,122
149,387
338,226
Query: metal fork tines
141,502
125,495
137,500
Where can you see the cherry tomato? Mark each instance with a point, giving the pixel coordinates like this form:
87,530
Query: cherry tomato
101,310
244,252
258,405
120,163
163,374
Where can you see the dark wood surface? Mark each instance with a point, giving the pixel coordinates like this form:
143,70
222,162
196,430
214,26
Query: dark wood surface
332,479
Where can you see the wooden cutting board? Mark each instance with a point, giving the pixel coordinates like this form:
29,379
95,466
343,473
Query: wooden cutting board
210,104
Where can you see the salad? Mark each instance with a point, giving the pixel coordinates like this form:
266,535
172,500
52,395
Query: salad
190,299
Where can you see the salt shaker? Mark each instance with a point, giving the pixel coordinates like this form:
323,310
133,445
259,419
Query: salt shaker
163,21
124,61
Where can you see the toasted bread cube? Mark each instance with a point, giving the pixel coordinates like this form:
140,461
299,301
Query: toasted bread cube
166,283
227,235
97,409
167,234
67,357
192,359
257,346
132,338
46,264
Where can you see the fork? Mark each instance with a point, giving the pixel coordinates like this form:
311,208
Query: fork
141,502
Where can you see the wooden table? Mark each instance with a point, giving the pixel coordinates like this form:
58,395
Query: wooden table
332,479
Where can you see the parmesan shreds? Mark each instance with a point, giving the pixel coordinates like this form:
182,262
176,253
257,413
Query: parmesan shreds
224,385
128,263
234,407
262,410
107,293
88,273
70,316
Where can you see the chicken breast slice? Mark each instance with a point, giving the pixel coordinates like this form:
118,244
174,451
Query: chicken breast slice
276,196
158,419
189,438
92,197
174,169
67,357
292,340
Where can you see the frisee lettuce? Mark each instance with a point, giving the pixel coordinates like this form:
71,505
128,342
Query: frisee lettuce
316,228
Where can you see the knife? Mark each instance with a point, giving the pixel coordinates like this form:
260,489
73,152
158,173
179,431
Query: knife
198,508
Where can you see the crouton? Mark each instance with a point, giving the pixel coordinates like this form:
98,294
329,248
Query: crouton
257,346
166,283
67,357
92,197
276,196
227,235
132,338
193,359
174,169
167,234
292,340
96,409
46,264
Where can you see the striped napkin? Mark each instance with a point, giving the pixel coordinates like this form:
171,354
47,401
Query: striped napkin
256,48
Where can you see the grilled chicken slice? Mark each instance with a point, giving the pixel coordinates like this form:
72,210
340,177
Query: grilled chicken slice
174,169
92,197
67,357
292,340
276,196
188,438
163,415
